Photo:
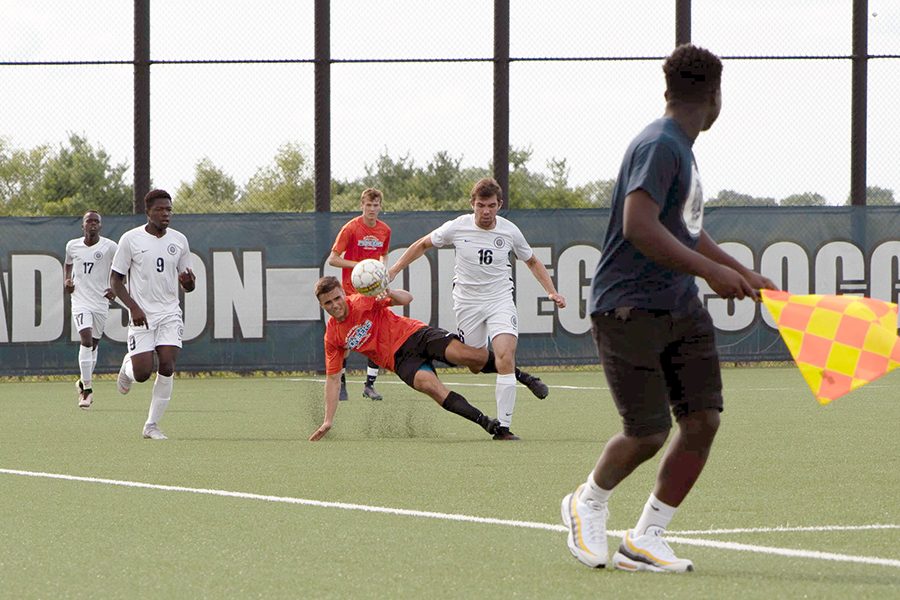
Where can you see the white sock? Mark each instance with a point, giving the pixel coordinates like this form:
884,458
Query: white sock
85,365
372,371
94,359
162,393
506,398
592,491
655,518
129,369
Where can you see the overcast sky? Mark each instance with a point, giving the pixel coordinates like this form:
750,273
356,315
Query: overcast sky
784,128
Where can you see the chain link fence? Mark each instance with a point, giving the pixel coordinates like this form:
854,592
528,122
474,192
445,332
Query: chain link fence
232,102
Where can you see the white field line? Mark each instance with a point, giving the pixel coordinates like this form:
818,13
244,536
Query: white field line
786,529
552,387
464,518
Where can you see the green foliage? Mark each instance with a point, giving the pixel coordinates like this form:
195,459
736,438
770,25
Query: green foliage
876,196
212,191
285,186
732,198
72,180
807,199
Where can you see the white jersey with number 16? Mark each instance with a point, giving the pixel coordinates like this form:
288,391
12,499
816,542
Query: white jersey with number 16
483,271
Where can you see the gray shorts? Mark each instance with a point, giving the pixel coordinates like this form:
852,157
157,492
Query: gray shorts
659,363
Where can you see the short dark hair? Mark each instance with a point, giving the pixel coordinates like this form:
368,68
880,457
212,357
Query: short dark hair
371,194
326,284
487,187
692,73
154,195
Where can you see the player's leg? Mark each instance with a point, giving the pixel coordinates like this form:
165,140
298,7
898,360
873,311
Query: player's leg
629,347
81,318
342,395
691,364
369,389
425,380
168,340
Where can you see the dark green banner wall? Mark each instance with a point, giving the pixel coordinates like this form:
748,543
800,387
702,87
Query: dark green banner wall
254,309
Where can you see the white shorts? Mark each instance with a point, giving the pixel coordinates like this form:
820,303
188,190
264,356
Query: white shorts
167,332
477,323
83,318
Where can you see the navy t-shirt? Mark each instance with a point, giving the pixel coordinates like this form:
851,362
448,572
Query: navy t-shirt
659,161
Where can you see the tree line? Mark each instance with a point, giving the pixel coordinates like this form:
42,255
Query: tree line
77,176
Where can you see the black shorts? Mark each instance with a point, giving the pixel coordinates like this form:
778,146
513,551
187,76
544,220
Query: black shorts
659,361
420,349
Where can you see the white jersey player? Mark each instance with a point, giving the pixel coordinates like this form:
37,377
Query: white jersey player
483,289
88,260
155,259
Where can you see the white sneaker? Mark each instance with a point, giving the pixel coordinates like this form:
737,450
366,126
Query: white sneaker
123,382
152,432
587,529
649,552
85,400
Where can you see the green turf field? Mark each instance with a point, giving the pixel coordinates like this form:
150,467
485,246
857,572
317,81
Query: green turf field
817,486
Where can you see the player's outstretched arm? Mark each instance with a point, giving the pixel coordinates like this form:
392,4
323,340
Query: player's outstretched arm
332,388
338,260
415,251
543,276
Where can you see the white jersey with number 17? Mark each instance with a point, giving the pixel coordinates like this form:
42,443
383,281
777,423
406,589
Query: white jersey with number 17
483,271
90,272
152,265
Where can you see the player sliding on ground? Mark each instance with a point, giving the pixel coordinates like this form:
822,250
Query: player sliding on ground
405,346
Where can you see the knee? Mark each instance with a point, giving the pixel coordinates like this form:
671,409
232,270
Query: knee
648,445
141,375
166,369
700,426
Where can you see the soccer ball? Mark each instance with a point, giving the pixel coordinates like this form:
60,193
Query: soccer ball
369,277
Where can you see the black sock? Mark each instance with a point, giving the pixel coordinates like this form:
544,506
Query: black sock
343,380
457,404
490,366
370,380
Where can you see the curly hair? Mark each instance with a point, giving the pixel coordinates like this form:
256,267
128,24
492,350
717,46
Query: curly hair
692,73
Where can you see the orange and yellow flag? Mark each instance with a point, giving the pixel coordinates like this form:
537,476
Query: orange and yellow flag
839,343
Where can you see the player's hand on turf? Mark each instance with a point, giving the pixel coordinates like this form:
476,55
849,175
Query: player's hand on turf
69,285
319,433
559,299
138,318
110,295
730,284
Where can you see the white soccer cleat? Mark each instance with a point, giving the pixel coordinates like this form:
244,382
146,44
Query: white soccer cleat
649,552
587,529
152,432
85,400
123,382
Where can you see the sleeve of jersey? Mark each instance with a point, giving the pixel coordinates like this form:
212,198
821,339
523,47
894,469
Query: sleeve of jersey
653,170
443,235
342,240
184,261
387,242
122,259
69,258
520,245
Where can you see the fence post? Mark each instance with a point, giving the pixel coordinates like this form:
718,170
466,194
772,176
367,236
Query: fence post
141,104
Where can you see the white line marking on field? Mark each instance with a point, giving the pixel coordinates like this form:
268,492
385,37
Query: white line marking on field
469,518
554,386
453,383
785,529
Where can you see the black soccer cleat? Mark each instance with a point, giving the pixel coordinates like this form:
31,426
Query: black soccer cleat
370,393
537,387
488,424
504,434
342,395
